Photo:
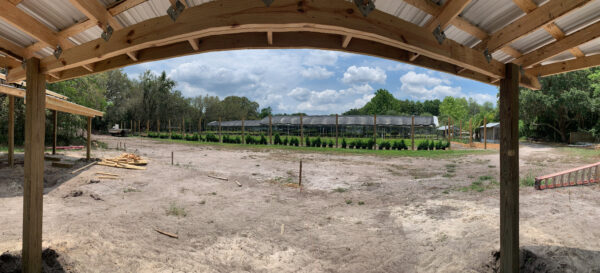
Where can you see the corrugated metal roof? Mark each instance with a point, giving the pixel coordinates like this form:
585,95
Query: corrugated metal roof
489,15
358,120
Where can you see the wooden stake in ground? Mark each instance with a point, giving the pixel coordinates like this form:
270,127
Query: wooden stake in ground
147,126
89,139
172,157
217,177
460,132
412,134
220,136
183,127
374,132
84,167
484,133
169,129
300,175
270,131
243,138
470,131
301,131
158,126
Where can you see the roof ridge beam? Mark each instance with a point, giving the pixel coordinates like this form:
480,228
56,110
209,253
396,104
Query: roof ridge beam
541,16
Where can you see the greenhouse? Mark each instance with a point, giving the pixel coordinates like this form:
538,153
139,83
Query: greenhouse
325,126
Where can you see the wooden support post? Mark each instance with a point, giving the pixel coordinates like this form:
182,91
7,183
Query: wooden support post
243,137
199,125
470,131
131,123
374,132
301,131
460,132
300,175
11,131
336,130
89,139
448,133
158,126
509,170
220,136
35,122
172,157
169,129
147,126
412,134
54,129
484,133
183,127
270,130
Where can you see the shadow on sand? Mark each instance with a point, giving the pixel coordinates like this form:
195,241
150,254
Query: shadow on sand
550,259
10,262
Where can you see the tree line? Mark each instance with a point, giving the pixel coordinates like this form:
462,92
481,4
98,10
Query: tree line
566,103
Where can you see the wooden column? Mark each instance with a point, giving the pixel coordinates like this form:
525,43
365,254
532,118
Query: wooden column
35,119
470,131
460,132
89,139
270,130
448,133
301,131
220,136
484,133
243,138
199,125
54,129
147,126
509,170
131,123
336,130
412,134
11,131
158,125
183,127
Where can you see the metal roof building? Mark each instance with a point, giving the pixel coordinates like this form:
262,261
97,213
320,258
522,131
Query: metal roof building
355,120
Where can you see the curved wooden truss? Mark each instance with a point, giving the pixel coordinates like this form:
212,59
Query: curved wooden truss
285,24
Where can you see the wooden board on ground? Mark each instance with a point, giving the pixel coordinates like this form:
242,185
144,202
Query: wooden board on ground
167,233
66,165
51,158
120,165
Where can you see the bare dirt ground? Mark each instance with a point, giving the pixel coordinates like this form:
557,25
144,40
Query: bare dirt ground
356,213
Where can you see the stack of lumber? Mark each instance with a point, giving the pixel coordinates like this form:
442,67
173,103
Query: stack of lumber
125,161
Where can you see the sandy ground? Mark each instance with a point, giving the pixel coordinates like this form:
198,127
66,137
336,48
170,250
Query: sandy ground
406,214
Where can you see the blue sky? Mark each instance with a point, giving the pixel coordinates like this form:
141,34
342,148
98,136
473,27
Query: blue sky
309,81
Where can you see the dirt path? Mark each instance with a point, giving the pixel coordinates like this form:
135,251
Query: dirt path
355,213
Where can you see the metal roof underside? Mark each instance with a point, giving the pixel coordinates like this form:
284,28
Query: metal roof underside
488,15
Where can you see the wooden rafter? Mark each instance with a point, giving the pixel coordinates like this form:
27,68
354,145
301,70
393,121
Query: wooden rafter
548,51
450,10
534,20
54,103
565,66
94,10
11,49
123,5
252,16
26,23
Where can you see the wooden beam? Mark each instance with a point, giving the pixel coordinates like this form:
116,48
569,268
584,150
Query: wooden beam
285,40
451,9
526,5
548,51
33,190
511,51
565,66
54,130
211,18
555,31
527,24
270,37
26,23
123,5
133,55
96,11
11,131
577,52
193,43
346,41
413,57
53,103
89,67
11,49
509,170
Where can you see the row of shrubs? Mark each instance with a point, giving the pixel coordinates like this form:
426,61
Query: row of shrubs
308,142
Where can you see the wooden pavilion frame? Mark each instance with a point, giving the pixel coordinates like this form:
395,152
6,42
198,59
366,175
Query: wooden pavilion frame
349,26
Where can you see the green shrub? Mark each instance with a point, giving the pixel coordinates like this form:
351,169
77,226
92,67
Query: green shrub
385,145
317,142
370,144
263,139
249,139
422,146
285,141
344,144
193,137
359,144
432,145
176,136
277,139
153,134
307,142
164,135
294,142
212,138
330,144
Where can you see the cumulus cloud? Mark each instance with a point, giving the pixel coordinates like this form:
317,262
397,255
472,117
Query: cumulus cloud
364,74
316,73
421,86
330,100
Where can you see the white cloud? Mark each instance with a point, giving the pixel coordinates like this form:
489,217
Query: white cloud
331,101
364,74
316,73
420,86
322,58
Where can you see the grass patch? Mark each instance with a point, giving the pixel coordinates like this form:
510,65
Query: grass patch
348,202
483,183
387,153
527,181
360,203
584,153
340,190
175,210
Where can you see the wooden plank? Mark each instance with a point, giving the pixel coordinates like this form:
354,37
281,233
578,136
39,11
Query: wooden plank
527,24
11,131
577,52
346,41
89,139
450,10
11,49
284,40
580,37
133,55
512,52
33,190
193,43
167,233
84,167
509,170
214,18
270,37
555,31
565,66
526,5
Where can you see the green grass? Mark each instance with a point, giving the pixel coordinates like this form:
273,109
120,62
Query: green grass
584,153
403,153
175,210
527,181
483,183
340,190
